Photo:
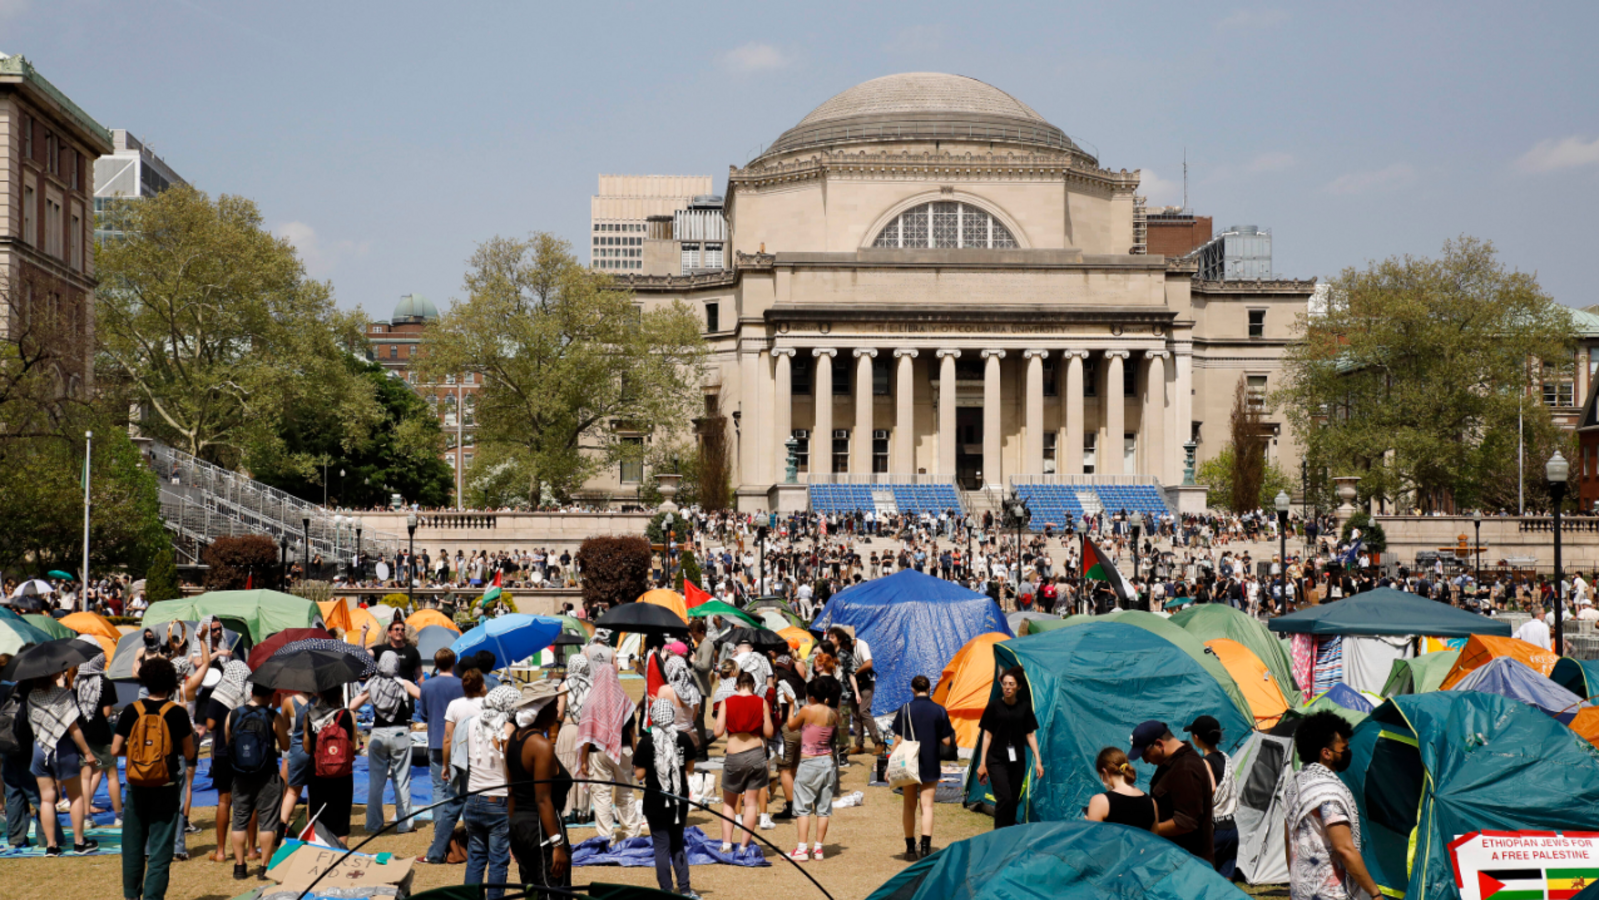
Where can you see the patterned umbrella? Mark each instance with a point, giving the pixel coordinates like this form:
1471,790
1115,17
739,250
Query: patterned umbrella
368,666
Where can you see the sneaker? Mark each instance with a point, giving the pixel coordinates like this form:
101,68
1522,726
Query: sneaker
260,873
816,851
787,815
766,823
191,828
800,854
241,872
180,857
87,847
689,893
63,806
727,847
52,851
117,822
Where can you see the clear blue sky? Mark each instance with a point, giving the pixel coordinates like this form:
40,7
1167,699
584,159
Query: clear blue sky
389,138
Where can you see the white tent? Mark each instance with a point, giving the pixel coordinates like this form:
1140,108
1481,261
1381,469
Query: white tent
1262,766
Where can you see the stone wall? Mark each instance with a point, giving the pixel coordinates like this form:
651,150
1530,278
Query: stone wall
1503,538
469,532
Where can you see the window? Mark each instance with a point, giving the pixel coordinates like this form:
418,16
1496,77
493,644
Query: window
77,170
1051,378
713,255
841,379
27,137
1129,452
1129,378
1090,454
713,317
52,226
1257,323
75,239
1049,452
1557,377
52,155
394,351
945,225
466,459
880,450
30,206
449,379
880,376
1091,377
800,375
841,450
468,378
1256,388
633,460
802,449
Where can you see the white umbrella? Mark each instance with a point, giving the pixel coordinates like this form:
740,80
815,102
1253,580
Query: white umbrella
33,587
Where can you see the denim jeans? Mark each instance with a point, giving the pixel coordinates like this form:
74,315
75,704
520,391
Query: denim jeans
488,842
445,816
22,789
180,840
388,755
148,816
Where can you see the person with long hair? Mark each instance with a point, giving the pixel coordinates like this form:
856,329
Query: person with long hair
297,766
745,719
328,798
1009,730
488,827
663,761
539,784
1122,802
61,760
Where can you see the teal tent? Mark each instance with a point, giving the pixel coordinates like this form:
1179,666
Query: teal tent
1386,611
1428,768
1090,685
259,613
1579,676
1421,674
1209,621
1060,861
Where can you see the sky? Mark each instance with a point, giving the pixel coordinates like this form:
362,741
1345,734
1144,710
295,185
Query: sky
387,140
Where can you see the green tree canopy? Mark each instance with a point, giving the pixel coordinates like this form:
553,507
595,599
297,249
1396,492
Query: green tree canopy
1413,376
1216,474
568,361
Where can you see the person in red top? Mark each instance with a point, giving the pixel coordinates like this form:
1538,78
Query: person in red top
745,719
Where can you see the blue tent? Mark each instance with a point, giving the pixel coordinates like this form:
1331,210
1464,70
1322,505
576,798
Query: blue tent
1347,697
1510,677
1060,861
914,623
1579,676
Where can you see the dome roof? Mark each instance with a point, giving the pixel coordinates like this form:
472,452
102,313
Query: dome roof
415,306
922,106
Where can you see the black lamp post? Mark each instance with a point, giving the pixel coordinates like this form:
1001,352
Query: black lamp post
360,557
410,559
666,547
1557,470
1136,528
283,561
1476,521
1282,549
305,565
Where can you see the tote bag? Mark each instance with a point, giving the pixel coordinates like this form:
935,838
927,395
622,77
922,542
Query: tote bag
905,763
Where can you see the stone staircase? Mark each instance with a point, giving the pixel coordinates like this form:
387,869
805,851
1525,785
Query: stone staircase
979,502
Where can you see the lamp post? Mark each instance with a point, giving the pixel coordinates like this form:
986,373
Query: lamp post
1476,521
666,548
1557,470
360,558
410,559
283,561
1282,548
305,566
1136,529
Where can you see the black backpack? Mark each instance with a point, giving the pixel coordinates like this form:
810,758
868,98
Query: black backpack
16,733
254,745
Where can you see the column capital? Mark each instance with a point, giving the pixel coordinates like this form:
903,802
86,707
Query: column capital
1035,354
865,351
1117,354
783,351
1157,354
948,354
1080,353
824,351
900,352
993,354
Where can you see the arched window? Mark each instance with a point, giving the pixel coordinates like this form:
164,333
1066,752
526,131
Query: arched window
945,224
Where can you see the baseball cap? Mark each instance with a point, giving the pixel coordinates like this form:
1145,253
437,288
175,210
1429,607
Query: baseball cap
1205,727
1144,735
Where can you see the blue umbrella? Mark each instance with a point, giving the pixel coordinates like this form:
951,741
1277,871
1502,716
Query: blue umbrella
511,638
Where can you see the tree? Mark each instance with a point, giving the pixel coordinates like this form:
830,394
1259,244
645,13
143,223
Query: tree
209,324
234,563
688,573
1372,537
161,579
1216,474
616,570
1249,442
569,362
1413,376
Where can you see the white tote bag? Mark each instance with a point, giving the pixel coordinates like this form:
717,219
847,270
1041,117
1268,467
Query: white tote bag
905,764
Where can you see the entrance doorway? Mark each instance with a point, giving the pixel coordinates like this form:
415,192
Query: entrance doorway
969,447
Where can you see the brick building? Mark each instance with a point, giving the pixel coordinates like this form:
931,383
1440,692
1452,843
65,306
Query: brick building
394,346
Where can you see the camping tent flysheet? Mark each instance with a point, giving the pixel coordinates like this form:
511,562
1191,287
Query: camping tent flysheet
1510,677
1390,612
1579,676
1482,649
966,685
914,624
260,612
1208,621
1420,674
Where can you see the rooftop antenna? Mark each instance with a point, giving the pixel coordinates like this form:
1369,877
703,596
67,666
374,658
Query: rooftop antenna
1185,179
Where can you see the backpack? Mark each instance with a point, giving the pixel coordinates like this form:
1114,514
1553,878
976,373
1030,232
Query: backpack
16,733
150,746
335,752
253,740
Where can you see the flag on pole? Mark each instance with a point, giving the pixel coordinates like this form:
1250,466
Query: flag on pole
692,595
1098,567
493,593
316,833
249,581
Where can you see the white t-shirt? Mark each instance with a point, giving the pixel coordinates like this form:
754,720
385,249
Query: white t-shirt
863,652
1534,632
459,710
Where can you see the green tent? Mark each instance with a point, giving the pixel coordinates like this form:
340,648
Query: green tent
1193,646
1428,768
1322,702
1579,676
259,613
718,608
1060,861
1386,611
16,631
1090,686
1209,621
1420,675
52,627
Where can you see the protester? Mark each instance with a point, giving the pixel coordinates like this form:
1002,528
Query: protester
1009,730
438,693
1322,828
539,784
21,788
1535,630
569,713
817,724
1181,788
928,724
61,760
605,749
1206,732
488,827
745,719
228,695
388,748
1122,803
96,704
298,766
663,761
255,734
331,740
155,735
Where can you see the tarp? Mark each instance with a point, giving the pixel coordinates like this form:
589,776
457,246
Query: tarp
336,614
261,612
1579,676
666,599
1420,674
1218,620
966,684
1060,861
1449,763
1368,661
1483,649
1254,680
639,852
1091,685
1510,677
1387,611
1262,768
914,623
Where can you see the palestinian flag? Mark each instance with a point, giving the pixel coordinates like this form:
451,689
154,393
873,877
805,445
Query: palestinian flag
1511,884
692,595
493,593
1098,567
1567,883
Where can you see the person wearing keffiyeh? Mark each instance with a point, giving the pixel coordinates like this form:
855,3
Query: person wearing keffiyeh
95,697
1323,823
388,750
578,683
663,761
60,756
229,694
605,752
488,826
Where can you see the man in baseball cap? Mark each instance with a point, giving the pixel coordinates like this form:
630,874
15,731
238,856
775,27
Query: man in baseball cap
1181,788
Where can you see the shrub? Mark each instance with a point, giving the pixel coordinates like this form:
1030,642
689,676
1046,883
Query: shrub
1371,534
616,570
690,572
236,561
395,601
161,579
314,591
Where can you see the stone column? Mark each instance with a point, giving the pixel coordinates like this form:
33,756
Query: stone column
946,411
860,460
783,404
822,433
991,418
1153,432
1073,399
1183,402
748,402
905,412
1110,455
1033,442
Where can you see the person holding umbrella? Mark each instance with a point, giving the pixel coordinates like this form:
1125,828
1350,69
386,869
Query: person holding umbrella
61,757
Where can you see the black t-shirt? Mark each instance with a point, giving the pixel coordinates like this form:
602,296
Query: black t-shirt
1181,788
216,711
1010,726
657,807
178,726
96,728
410,660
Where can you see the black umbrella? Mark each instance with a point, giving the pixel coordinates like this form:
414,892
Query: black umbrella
642,618
568,639
50,658
310,670
759,638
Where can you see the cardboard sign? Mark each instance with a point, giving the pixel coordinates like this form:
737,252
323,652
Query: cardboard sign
1524,865
303,865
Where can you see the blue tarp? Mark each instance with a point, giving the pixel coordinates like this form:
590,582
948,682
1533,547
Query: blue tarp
1060,861
914,624
1347,697
1510,677
639,852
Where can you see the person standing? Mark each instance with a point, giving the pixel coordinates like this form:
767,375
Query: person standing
1181,788
388,749
1009,730
1224,787
60,755
488,827
816,724
21,788
1122,803
96,704
227,696
745,720
1322,828
605,748
438,693
928,724
329,738
539,784
569,714
1535,630
156,736
663,761
255,734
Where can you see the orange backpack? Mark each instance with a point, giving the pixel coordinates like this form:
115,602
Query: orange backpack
150,747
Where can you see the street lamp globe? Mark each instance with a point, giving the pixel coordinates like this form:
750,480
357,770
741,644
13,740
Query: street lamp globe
1282,501
1477,517
410,521
1557,470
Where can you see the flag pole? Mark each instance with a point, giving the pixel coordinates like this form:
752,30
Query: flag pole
83,589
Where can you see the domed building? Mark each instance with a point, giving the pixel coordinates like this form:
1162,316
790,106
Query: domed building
934,290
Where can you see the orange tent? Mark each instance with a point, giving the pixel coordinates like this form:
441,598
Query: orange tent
96,626
422,618
967,684
671,600
1482,649
341,614
335,613
796,633
1254,680
1586,724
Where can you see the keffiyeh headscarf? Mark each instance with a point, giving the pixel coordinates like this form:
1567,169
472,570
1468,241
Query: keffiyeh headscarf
682,682
91,675
388,695
51,712
230,692
605,712
489,729
668,755
579,681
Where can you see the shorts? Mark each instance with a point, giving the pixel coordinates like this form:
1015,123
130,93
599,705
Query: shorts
300,768
257,793
103,760
744,771
222,774
60,764
790,758
813,787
